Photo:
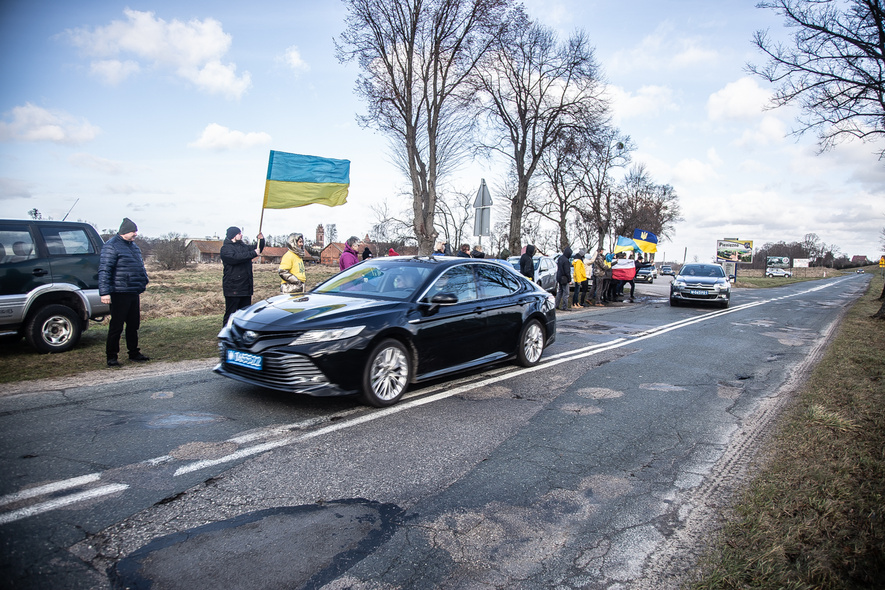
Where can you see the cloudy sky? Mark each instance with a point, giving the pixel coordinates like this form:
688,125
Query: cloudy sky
165,112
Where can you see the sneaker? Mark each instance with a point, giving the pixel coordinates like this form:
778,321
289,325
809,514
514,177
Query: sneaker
113,363
139,358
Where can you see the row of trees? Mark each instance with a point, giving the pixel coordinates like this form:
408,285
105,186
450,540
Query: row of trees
449,79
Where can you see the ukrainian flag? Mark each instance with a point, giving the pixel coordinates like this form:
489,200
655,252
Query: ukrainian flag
295,180
645,240
625,245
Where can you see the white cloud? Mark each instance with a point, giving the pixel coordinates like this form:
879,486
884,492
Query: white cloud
218,137
665,48
293,59
769,131
33,123
743,99
693,171
648,100
91,162
192,50
114,71
11,188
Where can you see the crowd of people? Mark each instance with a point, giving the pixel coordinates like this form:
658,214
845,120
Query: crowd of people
598,278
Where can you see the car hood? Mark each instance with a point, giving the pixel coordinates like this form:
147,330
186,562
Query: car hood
298,312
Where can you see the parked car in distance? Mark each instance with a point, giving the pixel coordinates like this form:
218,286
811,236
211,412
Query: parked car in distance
545,271
644,275
700,282
666,269
385,323
49,282
777,272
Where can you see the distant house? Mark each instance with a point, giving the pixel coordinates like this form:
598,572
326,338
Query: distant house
330,254
859,260
204,250
272,255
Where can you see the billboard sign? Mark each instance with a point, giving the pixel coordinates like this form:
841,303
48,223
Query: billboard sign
734,251
801,262
778,262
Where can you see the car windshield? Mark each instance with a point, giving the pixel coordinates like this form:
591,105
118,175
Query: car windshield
392,281
703,270
514,261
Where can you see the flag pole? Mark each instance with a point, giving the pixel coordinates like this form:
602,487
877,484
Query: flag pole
261,221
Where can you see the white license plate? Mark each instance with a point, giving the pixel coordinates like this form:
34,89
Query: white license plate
244,359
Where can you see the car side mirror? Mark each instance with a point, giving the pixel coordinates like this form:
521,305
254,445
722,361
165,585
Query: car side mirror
439,300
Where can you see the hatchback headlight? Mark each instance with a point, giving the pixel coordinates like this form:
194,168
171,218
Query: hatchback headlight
679,283
314,336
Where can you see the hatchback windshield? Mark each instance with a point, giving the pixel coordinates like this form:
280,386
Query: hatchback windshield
393,281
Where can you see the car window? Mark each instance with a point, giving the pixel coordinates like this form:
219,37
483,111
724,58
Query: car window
393,281
495,282
16,245
458,280
62,241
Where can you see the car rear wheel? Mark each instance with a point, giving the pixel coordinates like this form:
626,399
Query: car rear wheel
54,328
531,344
387,374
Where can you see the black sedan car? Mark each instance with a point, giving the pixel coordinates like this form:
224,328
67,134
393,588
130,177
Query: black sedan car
387,322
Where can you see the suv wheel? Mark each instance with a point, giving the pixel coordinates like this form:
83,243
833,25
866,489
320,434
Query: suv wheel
54,328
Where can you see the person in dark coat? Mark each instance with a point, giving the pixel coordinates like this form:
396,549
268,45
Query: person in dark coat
464,251
122,278
477,252
527,263
236,281
367,253
563,278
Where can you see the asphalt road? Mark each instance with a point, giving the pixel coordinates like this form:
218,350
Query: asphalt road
605,466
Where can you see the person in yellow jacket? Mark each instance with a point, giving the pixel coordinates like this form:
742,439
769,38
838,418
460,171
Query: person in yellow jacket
580,281
292,266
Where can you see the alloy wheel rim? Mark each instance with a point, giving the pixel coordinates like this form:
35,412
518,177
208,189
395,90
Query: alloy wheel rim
534,343
57,330
389,373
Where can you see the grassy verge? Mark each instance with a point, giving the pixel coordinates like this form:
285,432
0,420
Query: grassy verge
813,517
181,315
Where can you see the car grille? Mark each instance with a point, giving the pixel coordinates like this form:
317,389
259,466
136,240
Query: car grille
238,336
288,372
705,292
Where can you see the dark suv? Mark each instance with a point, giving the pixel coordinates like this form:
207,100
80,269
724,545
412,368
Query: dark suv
49,282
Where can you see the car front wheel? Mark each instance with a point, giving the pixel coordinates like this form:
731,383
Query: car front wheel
531,344
54,328
387,374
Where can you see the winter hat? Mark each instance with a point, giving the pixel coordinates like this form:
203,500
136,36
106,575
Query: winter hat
127,226
232,232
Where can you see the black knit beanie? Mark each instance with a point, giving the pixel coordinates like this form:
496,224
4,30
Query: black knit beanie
232,232
127,226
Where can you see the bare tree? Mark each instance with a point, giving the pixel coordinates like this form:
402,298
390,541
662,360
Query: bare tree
454,211
559,168
533,90
609,151
415,56
389,227
643,204
834,69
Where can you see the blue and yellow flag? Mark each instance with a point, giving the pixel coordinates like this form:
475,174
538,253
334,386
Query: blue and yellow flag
645,240
294,180
625,245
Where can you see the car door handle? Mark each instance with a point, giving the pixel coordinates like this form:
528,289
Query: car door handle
39,272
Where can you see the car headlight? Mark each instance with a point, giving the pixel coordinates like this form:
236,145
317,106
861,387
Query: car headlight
314,336
679,283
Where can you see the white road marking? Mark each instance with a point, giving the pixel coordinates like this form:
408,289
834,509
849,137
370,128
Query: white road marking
61,502
443,391
49,488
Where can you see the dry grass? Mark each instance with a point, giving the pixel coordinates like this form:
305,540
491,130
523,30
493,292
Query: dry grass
813,518
181,316
196,290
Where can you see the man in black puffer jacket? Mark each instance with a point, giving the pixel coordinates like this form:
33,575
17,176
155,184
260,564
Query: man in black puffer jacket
121,279
236,282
